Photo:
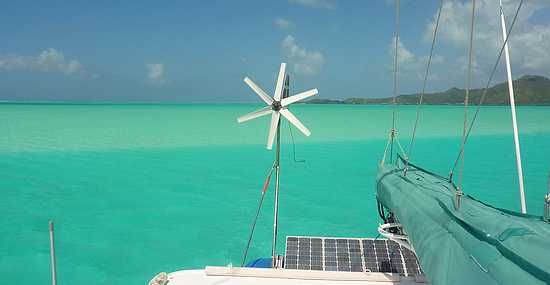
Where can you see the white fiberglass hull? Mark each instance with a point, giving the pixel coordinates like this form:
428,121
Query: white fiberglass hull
245,276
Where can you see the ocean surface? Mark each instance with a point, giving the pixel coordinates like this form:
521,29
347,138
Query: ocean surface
139,189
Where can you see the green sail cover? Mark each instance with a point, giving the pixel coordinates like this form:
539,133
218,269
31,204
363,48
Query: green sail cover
478,244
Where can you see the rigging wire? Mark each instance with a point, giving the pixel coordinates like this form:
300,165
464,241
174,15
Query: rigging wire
484,94
395,74
467,96
411,144
253,226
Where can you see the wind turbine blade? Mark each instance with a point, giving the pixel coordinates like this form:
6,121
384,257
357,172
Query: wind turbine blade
252,115
258,91
273,129
298,97
291,118
280,81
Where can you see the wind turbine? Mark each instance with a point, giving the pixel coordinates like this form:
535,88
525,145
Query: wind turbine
277,106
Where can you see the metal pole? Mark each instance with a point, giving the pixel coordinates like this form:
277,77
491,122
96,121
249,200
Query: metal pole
52,254
275,222
513,107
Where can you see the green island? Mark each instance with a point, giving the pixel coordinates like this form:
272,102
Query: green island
529,90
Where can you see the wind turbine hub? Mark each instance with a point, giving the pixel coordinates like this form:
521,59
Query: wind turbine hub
276,106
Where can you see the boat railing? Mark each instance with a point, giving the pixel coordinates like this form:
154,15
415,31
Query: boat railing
547,203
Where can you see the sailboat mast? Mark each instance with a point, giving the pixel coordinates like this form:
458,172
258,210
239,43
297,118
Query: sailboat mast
513,107
276,214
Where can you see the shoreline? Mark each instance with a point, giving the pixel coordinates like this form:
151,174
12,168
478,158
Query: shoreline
248,103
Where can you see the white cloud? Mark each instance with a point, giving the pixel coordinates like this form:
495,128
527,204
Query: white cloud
14,62
404,55
409,63
532,48
529,43
49,60
284,23
325,4
155,73
72,67
305,62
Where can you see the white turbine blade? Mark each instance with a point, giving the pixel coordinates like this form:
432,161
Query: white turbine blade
258,91
298,97
291,118
280,81
273,129
252,115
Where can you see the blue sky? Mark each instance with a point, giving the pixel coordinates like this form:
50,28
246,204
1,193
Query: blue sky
199,51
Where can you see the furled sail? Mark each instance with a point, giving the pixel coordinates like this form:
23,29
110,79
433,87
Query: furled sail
477,244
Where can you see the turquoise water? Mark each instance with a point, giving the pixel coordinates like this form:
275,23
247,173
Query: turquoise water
138,189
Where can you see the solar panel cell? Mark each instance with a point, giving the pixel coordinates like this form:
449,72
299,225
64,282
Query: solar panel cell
350,255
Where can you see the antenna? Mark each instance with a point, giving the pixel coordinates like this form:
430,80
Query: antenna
277,106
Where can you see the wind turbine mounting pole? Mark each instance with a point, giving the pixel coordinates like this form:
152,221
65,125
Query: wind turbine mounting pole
277,106
276,214
513,107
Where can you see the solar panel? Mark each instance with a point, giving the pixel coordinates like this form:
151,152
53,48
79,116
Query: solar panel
350,255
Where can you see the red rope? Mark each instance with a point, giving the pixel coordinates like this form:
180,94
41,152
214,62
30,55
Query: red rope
266,184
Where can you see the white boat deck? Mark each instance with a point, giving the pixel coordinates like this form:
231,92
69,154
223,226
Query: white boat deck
245,276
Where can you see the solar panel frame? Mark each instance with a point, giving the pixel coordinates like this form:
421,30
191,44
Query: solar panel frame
350,255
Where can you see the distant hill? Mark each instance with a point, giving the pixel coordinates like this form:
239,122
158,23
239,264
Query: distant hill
529,90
